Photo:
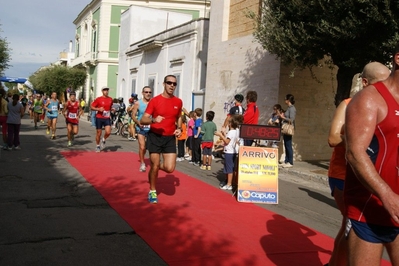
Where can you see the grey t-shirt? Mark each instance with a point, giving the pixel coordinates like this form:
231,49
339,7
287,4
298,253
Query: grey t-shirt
14,113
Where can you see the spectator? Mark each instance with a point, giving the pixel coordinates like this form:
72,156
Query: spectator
208,130
288,117
230,152
15,112
236,110
196,160
190,136
3,116
275,120
182,139
251,115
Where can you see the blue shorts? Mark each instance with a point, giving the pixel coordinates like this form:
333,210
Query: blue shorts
372,233
102,122
229,162
335,183
141,131
207,151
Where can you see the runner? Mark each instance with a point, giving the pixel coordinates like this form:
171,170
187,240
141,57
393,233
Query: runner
164,114
102,105
142,130
52,107
37,109
72,113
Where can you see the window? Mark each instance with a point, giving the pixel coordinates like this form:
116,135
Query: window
151,83
133,86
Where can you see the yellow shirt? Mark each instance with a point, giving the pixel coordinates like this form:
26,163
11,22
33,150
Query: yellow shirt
4,108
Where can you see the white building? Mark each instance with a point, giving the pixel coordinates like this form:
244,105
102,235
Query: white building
172,43
98,34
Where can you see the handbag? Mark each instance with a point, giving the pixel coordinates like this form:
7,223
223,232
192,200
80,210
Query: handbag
288,129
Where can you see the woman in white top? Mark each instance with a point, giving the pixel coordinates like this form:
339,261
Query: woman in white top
15,113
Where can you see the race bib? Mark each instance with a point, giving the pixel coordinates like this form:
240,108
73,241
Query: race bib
146,128
54,108
106,113
72,115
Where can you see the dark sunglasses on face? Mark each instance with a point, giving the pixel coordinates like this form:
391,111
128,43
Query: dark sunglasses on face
171,83
147,92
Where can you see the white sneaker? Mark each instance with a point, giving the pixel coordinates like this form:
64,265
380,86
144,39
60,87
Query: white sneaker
226,187
17,148
142,167
102,144
188,158
179,159
287,165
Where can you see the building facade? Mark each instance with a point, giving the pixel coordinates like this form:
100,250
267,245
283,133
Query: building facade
146,57
98,35
237,64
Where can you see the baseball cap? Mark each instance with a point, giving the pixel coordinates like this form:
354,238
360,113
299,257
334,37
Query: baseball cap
239,97
104,88
134,95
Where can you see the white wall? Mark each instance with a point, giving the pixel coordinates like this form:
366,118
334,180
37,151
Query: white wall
237,66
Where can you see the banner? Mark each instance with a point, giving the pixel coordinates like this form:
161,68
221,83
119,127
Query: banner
257,175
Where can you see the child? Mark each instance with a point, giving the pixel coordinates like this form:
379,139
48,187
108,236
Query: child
182,139
189,142
208,130
196,160
230,141
275,120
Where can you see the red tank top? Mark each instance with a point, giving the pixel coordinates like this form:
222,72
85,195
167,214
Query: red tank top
361,204
72,112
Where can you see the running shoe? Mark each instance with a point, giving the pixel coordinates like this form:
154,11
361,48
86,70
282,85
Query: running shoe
98,148
47,131
188,158
208,167
142,167
131,139
223,183
17,148
35,127
69,143
203,167
5,147
102,144
152,197
226,187
53,137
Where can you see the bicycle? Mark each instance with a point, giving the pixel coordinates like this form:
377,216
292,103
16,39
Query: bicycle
119,125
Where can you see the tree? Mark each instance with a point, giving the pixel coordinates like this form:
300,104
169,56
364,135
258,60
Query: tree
58,79
4,55
347,34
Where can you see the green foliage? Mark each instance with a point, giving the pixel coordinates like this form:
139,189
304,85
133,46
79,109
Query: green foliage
58,79
350,32
4,55
9,85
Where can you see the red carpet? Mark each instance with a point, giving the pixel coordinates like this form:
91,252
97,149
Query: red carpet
195,223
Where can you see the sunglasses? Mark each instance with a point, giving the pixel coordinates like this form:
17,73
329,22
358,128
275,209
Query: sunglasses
171,83
147,92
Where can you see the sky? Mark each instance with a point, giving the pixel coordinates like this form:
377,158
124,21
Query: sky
37,31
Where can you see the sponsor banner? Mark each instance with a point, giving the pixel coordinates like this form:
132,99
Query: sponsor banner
258,175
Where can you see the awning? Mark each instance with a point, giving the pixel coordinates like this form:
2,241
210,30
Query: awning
13,80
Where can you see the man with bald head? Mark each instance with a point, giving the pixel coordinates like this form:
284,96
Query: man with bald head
371,191
372,73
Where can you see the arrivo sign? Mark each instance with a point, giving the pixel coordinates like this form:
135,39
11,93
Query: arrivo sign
263,132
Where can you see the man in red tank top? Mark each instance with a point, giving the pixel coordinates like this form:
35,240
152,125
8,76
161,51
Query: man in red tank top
371,190
72,113
164,114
